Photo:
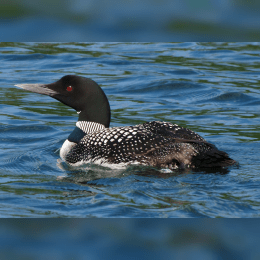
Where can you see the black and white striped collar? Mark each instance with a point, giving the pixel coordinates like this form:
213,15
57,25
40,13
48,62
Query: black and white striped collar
89,127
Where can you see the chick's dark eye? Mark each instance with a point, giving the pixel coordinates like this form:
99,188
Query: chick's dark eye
69,88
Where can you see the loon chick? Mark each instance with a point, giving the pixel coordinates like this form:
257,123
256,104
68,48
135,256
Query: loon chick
158,144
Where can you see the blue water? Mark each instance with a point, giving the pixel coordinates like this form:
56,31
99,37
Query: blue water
115,20
211,88
129,239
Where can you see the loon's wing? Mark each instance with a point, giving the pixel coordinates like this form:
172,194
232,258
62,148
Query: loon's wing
205,154
173,130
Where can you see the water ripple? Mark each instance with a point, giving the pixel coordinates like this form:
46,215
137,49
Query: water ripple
211,88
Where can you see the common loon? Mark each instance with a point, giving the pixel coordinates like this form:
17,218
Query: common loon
158,144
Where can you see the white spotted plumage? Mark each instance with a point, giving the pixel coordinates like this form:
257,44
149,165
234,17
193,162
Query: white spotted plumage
143,144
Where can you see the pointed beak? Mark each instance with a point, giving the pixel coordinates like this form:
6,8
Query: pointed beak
38,88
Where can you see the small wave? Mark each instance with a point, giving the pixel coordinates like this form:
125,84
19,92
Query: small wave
164,87
234,97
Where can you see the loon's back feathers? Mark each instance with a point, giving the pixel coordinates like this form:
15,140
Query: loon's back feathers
138,143
158,144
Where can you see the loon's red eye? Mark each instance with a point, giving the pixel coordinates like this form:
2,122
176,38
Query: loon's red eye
69,88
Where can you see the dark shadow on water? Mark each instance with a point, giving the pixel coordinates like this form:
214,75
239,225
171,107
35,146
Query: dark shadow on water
165,173
218,170
89,173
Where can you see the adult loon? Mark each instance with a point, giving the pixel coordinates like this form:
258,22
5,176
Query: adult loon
158,144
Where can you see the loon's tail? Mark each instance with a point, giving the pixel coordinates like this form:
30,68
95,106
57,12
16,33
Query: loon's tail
213,159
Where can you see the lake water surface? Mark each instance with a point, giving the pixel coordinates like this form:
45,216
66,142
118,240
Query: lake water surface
211,88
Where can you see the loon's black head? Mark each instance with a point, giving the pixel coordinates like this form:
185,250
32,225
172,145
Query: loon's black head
82,94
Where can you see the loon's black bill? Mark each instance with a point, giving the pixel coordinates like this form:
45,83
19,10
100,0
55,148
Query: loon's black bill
38,88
